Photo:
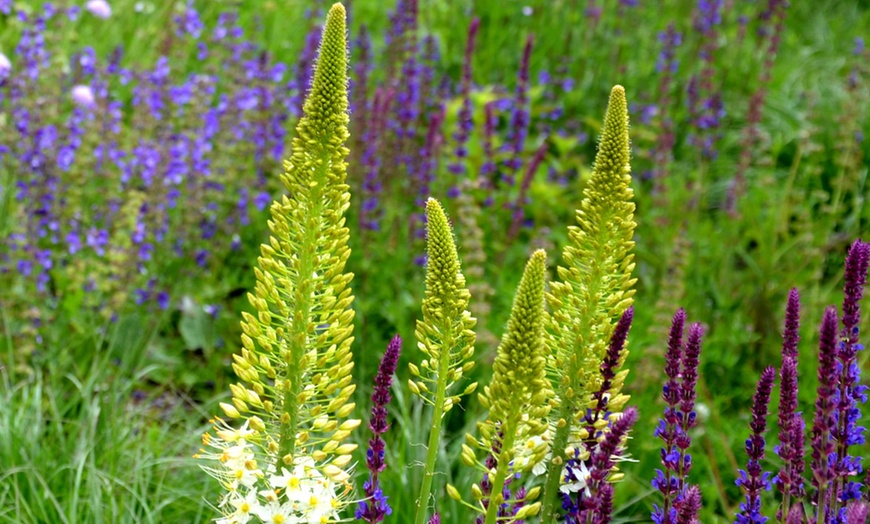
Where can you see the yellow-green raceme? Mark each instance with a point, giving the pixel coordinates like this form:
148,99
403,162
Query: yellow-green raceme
594,288
445,337
518,398
283,455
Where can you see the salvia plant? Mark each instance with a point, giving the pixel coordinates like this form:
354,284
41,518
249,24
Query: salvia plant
835,490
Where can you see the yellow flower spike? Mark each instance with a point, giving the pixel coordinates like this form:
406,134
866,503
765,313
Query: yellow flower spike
518,396
444,335
295,361
595,287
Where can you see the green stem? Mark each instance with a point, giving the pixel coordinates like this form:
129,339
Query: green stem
301,318
435,431
550,502
501,470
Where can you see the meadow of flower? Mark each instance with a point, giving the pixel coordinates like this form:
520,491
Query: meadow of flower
400,202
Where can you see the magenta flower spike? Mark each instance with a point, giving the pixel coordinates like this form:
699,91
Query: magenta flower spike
374,507
789,480
824,422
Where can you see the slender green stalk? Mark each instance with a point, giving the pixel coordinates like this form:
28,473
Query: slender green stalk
496,497
432,446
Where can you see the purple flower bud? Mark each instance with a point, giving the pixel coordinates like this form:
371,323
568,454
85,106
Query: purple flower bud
99,8
857,513
691,505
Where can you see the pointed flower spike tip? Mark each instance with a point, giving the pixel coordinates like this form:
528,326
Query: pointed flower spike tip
326,107
519,377
612,159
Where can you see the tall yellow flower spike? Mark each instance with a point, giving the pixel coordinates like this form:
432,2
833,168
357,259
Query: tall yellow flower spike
295,363
595,287
444,335
518,396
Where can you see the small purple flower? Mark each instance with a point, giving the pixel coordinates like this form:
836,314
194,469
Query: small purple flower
163,300
97,239
859,46
99,8
262,200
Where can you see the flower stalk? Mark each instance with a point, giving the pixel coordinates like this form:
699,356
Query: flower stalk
444,335
593,291
289,458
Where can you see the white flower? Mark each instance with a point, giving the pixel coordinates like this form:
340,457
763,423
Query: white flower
232,435
99,8
527,10
320,507
275,513
83,96
581,473
245,507
5,66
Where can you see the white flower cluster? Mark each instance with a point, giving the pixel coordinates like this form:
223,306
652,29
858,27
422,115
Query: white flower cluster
300,495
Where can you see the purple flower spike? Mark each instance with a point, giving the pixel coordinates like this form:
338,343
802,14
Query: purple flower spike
851,394
603,458
374,508
688,513
519,124
465,120
855,277
753,480
791,336
824,421
436,519
790,450
610,364
681,367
